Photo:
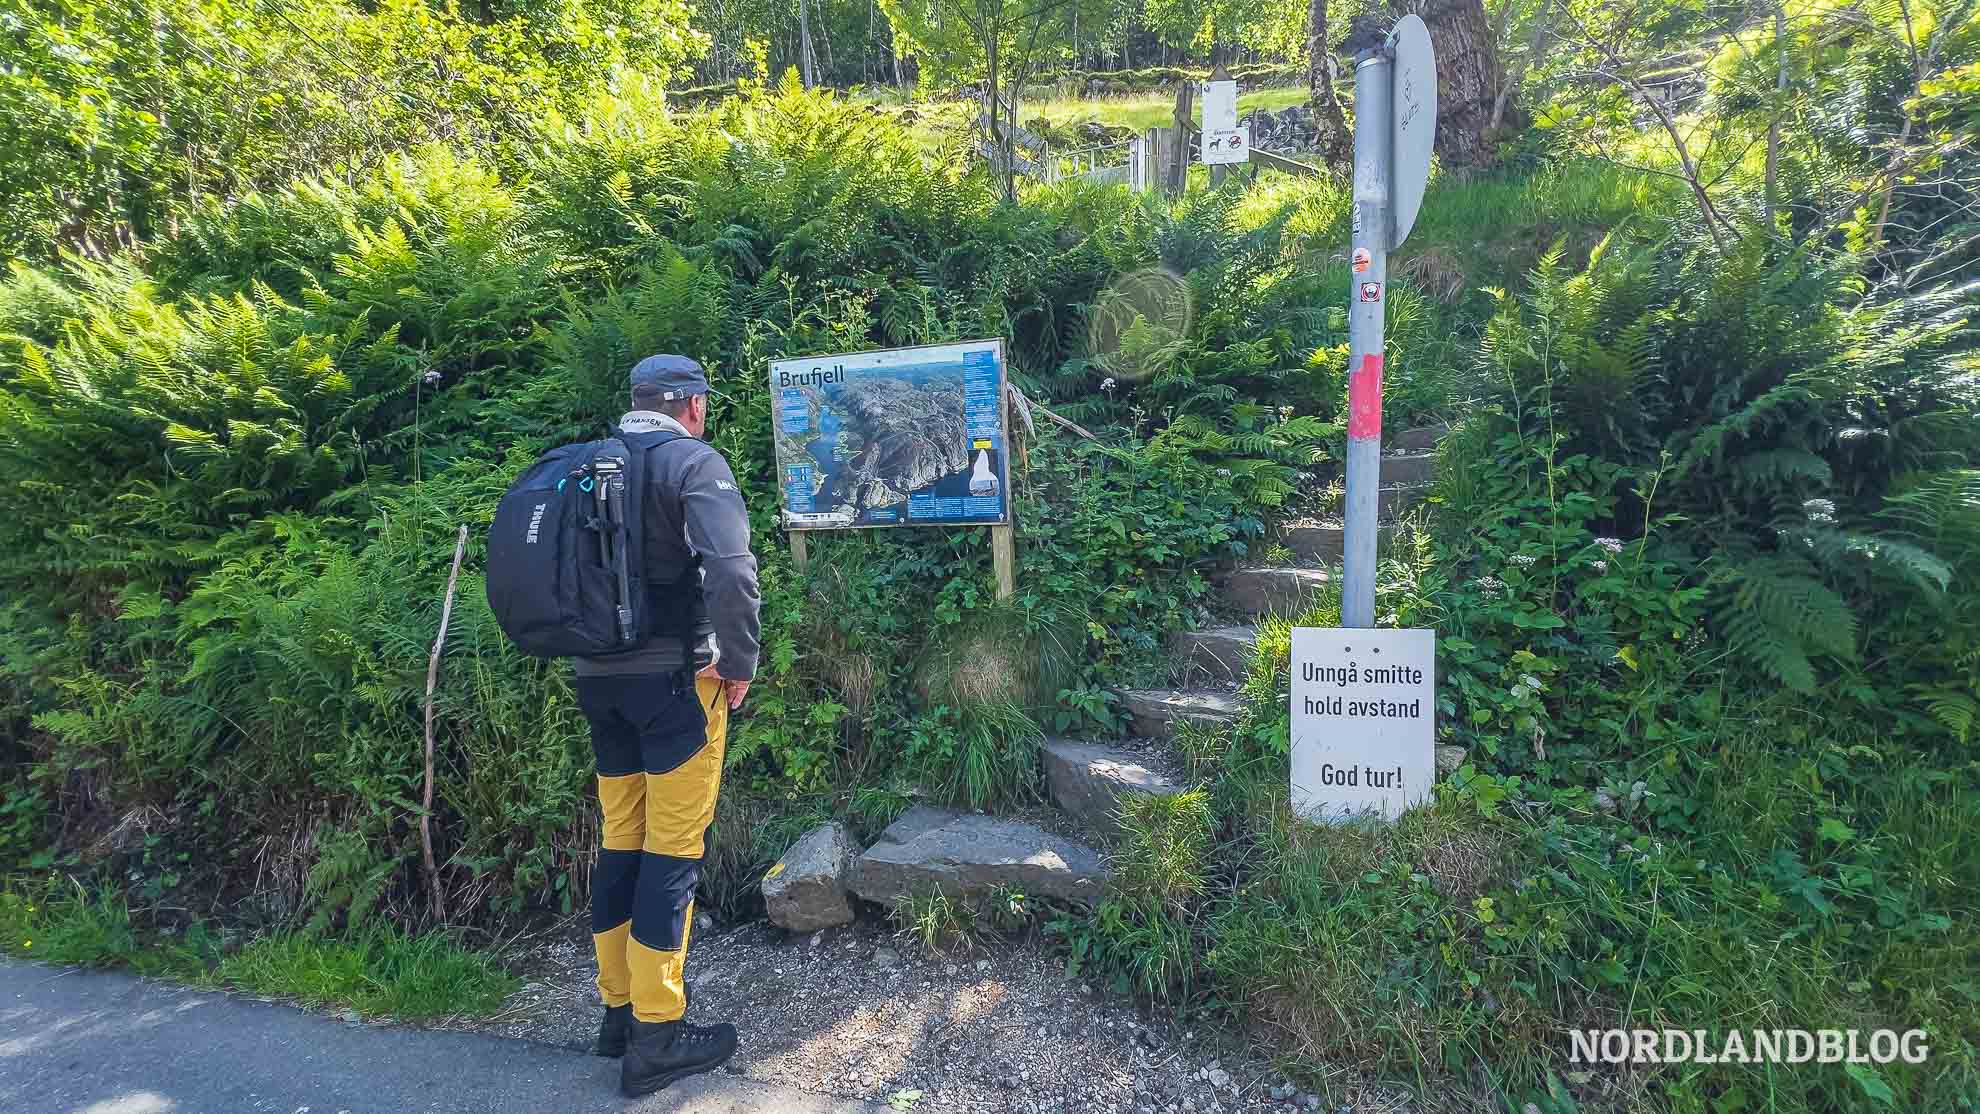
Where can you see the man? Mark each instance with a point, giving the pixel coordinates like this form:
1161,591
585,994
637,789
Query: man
659,720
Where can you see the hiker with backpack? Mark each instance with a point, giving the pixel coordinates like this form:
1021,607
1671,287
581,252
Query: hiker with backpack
631,556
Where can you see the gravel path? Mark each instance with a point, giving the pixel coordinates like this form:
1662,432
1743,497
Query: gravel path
864,1014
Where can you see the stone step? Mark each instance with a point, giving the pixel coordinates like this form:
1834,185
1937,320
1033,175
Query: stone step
1153,713
1319,543
1409,469
1090,780
1266,590
1394,499
968,855
1218,653
1422,439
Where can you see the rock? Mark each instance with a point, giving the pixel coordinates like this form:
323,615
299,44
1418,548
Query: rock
806,890
1274,591
1319,543
351,1017
1090,781
1219,1078
1153,713
1409,468
1449,758
884,958
1219,653
1604,802
967,855
1422,439
1392,500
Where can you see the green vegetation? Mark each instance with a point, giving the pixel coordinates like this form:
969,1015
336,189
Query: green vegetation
1702,557
1151,109
379,971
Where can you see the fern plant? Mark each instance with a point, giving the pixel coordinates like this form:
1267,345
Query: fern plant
1774,410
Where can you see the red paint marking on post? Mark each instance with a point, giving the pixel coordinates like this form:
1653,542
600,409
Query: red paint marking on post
1365,398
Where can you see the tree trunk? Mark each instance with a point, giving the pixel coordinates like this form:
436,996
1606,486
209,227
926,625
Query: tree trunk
807,67
1469,78
1503,100
825,39
1001,140
1780,102
1329,120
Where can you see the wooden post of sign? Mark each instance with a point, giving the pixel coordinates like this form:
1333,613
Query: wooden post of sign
1185,120
1003,539
799,555
1003,558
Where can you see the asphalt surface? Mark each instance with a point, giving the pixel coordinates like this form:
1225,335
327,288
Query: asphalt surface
87,1042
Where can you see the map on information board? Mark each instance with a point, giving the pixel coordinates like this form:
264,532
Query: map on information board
900,437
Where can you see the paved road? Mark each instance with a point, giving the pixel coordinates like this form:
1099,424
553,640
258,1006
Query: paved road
83,1042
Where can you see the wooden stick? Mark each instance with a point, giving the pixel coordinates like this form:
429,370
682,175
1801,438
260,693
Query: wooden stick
433,676
1028,405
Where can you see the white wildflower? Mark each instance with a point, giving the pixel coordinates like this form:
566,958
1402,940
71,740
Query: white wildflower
1613,545
1601,566
1524,560
1108,384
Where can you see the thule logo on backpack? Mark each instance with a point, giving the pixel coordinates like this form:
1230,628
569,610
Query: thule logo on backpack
535,524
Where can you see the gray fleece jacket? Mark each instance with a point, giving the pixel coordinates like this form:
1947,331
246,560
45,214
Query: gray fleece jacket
694,511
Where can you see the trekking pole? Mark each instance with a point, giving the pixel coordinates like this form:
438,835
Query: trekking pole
614,486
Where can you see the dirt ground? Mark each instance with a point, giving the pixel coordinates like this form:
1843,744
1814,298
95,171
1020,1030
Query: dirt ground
860,1012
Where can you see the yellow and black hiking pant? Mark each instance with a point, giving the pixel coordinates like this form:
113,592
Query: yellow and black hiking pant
659,740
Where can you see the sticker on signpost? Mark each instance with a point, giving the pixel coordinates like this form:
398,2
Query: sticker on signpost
1361,260
1364,714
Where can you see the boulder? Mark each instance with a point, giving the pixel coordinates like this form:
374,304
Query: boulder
968,855
1089,780
1449,758
806,890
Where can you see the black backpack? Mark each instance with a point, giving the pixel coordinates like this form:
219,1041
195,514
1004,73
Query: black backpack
566,561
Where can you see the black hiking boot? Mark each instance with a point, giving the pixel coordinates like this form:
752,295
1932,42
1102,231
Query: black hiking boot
659,1054
612,1029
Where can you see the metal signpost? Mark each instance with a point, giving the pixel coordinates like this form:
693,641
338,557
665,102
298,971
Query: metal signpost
1395,120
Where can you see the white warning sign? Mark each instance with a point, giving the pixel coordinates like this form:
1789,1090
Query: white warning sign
1364,713
1223,140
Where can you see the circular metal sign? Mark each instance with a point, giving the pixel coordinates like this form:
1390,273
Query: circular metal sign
1412,121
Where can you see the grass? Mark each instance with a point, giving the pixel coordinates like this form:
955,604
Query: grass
1145,110
377,971
1780,877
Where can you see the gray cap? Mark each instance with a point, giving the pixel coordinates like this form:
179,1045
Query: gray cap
669,377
